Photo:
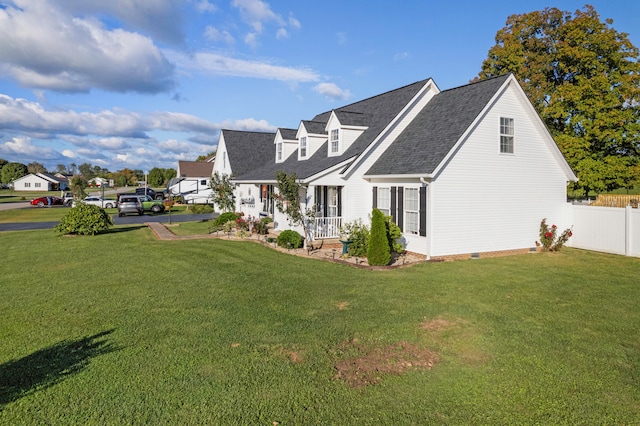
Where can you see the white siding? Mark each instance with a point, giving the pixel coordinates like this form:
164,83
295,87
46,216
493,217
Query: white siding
221,163
486,201
32,180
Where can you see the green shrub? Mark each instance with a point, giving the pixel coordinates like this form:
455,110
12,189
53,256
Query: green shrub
84,219
358,233
378,252
226,217
289,239
199,208
394,234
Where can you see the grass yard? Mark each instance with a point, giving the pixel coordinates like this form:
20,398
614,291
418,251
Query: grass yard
124,329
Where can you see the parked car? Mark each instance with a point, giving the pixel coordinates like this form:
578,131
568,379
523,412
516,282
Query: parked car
151,192
148,203
100,202
68,199
47,201
129,204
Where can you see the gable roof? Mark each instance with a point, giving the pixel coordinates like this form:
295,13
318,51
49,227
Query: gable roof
427,140
288,134
248,150
195,169
378,111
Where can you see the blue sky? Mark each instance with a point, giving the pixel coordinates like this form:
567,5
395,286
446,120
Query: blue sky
145,83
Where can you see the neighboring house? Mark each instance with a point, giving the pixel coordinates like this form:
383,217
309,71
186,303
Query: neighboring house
98,181
462,171
40,182
192,181
240,152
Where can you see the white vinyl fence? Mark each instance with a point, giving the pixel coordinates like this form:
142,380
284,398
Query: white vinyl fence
606,229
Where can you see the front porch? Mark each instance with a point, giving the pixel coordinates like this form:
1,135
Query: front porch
326,227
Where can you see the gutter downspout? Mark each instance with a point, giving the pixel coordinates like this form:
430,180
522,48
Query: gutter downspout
428,231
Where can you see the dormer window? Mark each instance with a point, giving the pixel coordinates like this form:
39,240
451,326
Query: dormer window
303,146
279,151
335,141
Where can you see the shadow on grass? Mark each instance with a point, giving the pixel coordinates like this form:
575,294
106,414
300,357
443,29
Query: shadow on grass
123,228
46,367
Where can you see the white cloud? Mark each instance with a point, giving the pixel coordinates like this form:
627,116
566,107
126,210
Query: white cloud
332,91
22,146
256,12
251,39
281,33
213,34
205,6
161,19
294,22
216,64
44,48
401,56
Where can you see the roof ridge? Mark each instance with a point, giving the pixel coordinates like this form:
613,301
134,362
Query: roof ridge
471,83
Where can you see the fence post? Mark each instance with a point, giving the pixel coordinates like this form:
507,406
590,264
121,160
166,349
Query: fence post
627,231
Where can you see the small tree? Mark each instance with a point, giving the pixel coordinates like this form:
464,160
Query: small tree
288,202
378,251
78,186
222,192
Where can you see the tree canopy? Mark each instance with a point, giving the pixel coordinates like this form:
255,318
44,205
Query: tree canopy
12,171
583,78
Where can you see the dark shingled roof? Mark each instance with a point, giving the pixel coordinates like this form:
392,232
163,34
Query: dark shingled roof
380,111
247,151
195,168
289,134
315,127
422,146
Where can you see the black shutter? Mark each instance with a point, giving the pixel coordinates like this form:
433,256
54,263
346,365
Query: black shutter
339,201
400,221
423,211
375,197
325,201
393,204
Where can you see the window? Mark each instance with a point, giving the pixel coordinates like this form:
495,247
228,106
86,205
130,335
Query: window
335,145
37,184
303,146
27,184
412,210
384,200
506,135
224,160
279,151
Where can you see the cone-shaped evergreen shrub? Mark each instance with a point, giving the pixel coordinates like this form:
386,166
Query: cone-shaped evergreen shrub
378,253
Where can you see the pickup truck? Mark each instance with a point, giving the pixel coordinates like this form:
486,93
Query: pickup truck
148,203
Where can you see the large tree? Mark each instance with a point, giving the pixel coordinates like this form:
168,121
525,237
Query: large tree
35,167
12,171
583,78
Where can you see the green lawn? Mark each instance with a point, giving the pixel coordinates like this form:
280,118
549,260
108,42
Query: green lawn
124,329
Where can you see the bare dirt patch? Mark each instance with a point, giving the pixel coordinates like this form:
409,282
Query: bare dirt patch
438,324
342,305
393,359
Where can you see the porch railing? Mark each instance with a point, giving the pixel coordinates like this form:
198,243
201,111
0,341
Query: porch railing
327,227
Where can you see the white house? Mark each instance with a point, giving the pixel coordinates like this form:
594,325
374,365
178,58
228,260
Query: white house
464,171
40,182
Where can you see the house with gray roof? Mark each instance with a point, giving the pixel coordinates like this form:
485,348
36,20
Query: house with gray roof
41,182
467,170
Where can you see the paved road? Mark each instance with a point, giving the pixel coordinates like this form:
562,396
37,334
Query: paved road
125,220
